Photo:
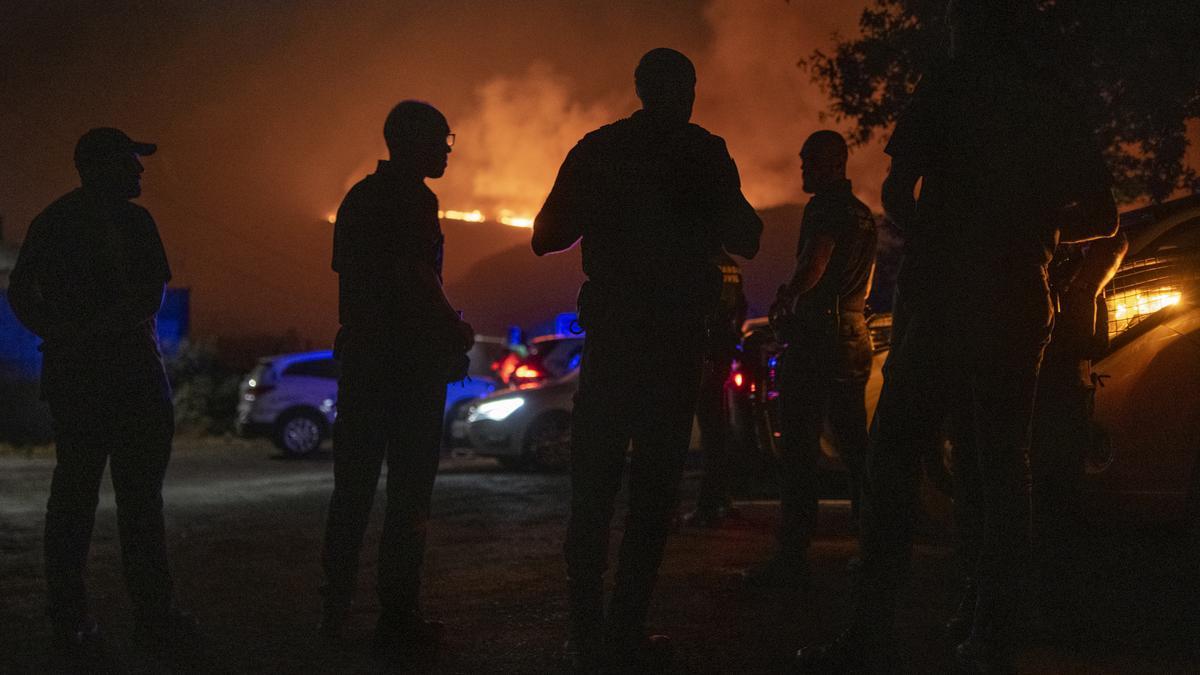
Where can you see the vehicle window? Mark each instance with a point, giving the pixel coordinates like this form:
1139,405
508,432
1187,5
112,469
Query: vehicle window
326,368
559,356
1144,286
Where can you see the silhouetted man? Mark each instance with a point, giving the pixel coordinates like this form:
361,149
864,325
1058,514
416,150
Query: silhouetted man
827,361
713,504
1006,165
89,281
400,339
652,197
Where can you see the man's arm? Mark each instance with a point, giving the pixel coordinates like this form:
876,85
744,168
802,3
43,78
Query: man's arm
1076,321
739,227
139,305
429,287
26,292
559,224
1100,264
899,199
811,264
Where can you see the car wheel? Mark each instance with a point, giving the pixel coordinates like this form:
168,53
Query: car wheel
457,413
548,442
299,432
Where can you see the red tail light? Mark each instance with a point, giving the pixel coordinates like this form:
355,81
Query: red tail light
527,373
738,380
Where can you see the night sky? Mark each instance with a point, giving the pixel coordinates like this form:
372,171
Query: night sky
266,112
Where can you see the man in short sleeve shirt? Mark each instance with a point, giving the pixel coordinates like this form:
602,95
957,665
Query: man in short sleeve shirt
824,369
399,343
653,198
89,281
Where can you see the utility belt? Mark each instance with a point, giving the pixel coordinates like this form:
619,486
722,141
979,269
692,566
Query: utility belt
815,320
599,307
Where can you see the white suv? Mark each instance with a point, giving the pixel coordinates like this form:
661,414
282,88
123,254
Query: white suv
292,398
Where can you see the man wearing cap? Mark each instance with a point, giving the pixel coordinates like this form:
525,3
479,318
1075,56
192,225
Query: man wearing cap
824,370
399,343
89,281
652,198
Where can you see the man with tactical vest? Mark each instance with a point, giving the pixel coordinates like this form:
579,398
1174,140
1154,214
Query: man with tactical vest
651,197
824,369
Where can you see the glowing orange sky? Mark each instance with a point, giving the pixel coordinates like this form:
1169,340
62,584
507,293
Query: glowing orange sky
266,112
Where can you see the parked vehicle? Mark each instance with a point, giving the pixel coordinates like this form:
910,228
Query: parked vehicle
1145,446
526,425
292,398
1145,457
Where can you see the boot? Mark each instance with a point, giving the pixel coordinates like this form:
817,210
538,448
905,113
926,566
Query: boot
81,648
583,651
958,626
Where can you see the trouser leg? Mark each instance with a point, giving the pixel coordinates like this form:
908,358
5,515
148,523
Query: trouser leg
413,453
908,420
712,417
360,439
660,442
70,515
1059,444
600,434
139,464
1003,409
803,397
848,420
968,495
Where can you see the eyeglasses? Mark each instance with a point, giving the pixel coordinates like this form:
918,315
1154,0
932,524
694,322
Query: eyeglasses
450,140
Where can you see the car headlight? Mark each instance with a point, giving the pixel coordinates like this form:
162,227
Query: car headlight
496,410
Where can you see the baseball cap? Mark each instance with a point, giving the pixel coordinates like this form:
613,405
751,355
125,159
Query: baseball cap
102,143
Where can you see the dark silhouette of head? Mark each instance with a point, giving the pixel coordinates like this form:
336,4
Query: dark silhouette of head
985,27
418,139
823,161
107,162
666,84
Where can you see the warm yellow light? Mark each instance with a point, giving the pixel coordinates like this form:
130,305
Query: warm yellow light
1129,307
516,221
512,219
467,216
331,218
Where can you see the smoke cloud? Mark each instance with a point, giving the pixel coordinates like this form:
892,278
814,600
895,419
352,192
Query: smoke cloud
750,91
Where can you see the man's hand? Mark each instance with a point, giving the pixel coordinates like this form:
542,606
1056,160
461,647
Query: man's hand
784,304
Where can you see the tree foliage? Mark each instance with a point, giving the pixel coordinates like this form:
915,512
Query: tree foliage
1135,64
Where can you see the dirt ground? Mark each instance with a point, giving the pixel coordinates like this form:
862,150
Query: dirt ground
244,528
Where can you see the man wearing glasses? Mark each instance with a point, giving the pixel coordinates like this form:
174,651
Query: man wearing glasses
399,342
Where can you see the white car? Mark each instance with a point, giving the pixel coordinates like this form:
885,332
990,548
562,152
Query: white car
292,398
530,424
